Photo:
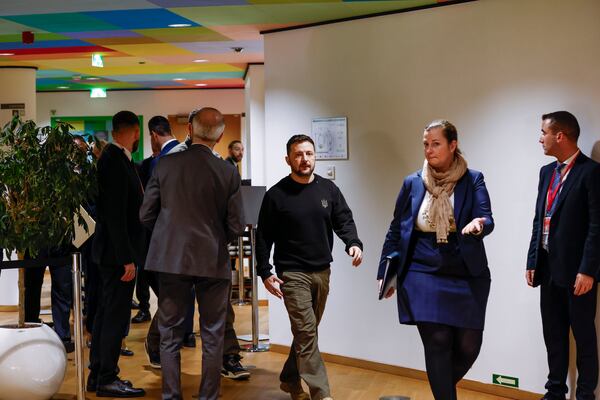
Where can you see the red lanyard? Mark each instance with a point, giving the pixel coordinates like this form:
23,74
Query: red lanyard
551,194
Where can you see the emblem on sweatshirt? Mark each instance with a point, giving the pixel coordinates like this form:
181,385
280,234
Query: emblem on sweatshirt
324,203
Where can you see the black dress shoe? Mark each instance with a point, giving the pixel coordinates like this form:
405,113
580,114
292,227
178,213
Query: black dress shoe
69,345
189,340
135,305
92,383
126,352
141,316
119,388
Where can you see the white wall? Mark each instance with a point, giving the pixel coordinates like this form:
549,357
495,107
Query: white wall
146,103
492,67
254,138
255,123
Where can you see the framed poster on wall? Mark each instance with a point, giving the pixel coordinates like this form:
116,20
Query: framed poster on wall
331,138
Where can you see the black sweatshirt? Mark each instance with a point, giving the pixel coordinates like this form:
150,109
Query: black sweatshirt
300,219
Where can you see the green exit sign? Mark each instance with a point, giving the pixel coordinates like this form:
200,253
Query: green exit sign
504,380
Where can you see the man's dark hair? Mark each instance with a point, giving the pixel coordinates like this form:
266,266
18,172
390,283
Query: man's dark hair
298,139
563,121
233,143
159,125
124,119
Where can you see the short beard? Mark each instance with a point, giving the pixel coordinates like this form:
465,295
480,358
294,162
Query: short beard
135,146
300,173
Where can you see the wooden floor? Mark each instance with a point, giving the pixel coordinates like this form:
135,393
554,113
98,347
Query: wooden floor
347,383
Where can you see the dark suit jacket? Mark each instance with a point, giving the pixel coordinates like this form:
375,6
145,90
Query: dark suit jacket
194,206
119,236
471,200
143,170
574,239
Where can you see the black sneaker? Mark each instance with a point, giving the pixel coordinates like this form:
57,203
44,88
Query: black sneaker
232,368
153,356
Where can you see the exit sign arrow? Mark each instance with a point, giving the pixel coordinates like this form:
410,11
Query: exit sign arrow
504,380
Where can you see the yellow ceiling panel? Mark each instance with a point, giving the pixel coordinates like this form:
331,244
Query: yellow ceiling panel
192,34
152,69
79,63
150,49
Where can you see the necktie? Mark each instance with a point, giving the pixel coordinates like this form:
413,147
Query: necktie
555,184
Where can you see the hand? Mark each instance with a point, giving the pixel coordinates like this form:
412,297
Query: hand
129,272
529,274
390,291
583,284
272,285
474,227
356,253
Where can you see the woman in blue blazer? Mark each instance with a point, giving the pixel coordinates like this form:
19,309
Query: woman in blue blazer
442,214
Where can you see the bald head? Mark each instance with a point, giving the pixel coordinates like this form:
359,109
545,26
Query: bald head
207,125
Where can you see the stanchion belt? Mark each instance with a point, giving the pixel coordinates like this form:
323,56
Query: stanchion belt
35,263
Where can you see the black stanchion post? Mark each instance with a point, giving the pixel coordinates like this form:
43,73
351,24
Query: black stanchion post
78,326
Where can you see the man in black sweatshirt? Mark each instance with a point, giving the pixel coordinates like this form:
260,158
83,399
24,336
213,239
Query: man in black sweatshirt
299,215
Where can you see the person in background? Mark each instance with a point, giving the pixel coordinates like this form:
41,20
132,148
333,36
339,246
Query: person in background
118,246
192,218
564,255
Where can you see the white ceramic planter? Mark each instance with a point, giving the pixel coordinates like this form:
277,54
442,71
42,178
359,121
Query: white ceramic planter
33,362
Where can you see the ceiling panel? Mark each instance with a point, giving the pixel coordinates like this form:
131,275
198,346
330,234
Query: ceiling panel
141,50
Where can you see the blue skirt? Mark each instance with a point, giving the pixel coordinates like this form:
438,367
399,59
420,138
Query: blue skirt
437,286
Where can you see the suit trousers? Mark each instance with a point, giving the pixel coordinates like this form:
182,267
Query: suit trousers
231,346
305,295
562,310
61,295
212,295
111,321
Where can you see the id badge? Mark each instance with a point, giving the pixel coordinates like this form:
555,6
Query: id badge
546,232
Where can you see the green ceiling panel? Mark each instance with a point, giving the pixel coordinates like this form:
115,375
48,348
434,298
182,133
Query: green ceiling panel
39,37
63,22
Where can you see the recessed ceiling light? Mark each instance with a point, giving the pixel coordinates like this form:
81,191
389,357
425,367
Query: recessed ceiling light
62,87
179,25
7,54
178,79
201,84
92,78
200,61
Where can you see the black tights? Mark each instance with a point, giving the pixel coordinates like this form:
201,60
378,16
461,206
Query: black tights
449,354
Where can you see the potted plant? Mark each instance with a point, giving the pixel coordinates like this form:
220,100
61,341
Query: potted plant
44,178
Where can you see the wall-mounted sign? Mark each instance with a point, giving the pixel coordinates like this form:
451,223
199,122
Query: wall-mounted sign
331,138
12,106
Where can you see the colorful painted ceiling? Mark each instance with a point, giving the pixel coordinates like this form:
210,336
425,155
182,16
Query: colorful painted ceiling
156,44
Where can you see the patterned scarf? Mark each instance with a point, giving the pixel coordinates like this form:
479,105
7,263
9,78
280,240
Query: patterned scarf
440,185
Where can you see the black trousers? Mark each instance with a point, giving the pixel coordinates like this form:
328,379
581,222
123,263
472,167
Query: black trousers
561,311
112,319
142,289
61,295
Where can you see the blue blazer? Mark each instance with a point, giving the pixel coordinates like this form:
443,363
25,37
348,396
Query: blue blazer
574,241
471,200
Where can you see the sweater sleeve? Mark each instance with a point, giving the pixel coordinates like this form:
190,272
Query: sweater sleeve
265,233
343,223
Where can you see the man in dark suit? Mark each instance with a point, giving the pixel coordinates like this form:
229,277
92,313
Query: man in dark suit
118,246
142,284
236,152
193,217
564,255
